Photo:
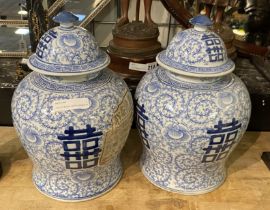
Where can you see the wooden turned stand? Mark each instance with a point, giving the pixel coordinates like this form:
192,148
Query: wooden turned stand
133,42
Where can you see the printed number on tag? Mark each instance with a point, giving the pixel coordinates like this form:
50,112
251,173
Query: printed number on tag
142,67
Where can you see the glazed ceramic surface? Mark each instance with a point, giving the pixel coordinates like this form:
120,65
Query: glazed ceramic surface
73,128
196,52
189,126
67,50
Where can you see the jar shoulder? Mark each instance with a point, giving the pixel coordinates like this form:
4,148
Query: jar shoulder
54,105
55,85
168,100
159,80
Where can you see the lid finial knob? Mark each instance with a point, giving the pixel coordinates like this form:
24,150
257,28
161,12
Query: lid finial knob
201,22
66,19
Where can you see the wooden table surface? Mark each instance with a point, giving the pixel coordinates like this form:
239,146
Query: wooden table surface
246,187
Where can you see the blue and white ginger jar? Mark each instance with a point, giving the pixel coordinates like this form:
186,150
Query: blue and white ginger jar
191,112
72,114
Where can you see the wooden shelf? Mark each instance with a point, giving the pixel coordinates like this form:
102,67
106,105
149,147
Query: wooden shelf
247,186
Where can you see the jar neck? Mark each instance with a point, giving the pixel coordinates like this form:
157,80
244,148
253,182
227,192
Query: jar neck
189,79
73,79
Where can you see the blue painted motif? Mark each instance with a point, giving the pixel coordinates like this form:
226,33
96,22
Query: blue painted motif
81,151
222,139
215,84
39,127
68,50
44,40
194,69
196,51
101,62
54,83
180,111
141,121
214,47
83,162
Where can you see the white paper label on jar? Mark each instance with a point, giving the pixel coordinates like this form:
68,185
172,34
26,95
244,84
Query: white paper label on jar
142,66
69,104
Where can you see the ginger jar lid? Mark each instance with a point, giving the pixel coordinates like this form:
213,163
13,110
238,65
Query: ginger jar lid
197,52
67,50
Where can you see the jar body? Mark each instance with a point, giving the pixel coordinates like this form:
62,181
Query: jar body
73,132
189,128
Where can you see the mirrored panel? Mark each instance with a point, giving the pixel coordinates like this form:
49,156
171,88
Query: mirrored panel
12,9
85,10
14,39
14,21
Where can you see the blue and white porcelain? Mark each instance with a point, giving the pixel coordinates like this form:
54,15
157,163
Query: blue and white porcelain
191,113
67,50
196,52
72,115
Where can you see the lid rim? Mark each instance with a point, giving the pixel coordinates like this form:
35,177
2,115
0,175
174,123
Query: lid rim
223,69
67,73
60,69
